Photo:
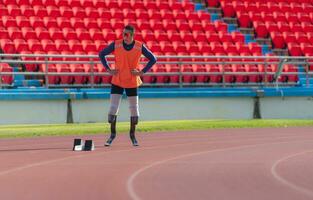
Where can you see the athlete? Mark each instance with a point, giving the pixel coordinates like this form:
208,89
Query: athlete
126,76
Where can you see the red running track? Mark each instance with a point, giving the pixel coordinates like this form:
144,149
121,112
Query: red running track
241,164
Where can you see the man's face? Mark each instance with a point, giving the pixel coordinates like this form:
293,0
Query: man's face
128,36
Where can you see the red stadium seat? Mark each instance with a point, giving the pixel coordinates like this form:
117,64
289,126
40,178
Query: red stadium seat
294,49
89,45
83,34
302,37
212,37
279,17
4,33
186,36
53,11
56,33
188,78
14,32
92,12
13,10
237,37
228,9
278,40
214,78
79,12
283,26
289,37
182,25
295,27
260,29
87,3
160,79
292,18
63,22
22,21
199,36
69,34
64,79
174,69
92,69
255,47
8,21
96,34
242,48
75,45
220,26
306,48
271,26
78,79
201,78
27,10
40,11
61,45
77,22
225,37
34,45
20,45
229,47
6,79
240,78
244,19
137,5
253,75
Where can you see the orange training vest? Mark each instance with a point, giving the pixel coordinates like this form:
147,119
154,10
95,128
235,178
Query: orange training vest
125,61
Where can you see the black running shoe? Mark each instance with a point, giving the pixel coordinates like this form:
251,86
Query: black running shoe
109,142
135,143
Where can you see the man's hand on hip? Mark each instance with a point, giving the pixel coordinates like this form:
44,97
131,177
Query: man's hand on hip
136,72
113,71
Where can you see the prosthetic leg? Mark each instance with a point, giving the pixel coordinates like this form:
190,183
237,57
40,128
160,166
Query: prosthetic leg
114,106
112,121
134,111
133,123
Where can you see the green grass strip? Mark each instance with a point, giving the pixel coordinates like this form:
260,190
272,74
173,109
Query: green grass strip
16,131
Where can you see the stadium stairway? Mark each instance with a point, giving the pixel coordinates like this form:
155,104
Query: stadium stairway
284,28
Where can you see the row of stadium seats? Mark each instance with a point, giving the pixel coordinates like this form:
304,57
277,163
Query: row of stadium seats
206,78
90,12
289,24
277,8
214,75
6,79
132,4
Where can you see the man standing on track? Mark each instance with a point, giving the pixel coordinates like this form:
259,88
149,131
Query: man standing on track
126,76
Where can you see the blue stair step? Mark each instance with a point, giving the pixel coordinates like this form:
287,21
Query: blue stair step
214,17
27,83
198,6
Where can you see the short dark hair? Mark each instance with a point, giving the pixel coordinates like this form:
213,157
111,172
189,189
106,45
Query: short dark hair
130,28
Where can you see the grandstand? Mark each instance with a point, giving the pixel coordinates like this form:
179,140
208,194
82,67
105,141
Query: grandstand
185,29
254,53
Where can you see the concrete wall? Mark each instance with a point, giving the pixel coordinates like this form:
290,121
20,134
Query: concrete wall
287,107
167,109
33,111
95,110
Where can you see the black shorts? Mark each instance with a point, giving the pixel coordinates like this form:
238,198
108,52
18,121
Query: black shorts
119,90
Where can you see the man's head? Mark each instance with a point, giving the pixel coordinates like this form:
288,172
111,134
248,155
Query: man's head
128,34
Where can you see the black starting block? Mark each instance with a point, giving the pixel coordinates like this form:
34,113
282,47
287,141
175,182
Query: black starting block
78,144
89,145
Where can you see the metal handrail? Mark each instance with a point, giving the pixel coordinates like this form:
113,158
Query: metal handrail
180,61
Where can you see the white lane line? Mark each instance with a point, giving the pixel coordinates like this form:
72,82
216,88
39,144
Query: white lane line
286,182
130,182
